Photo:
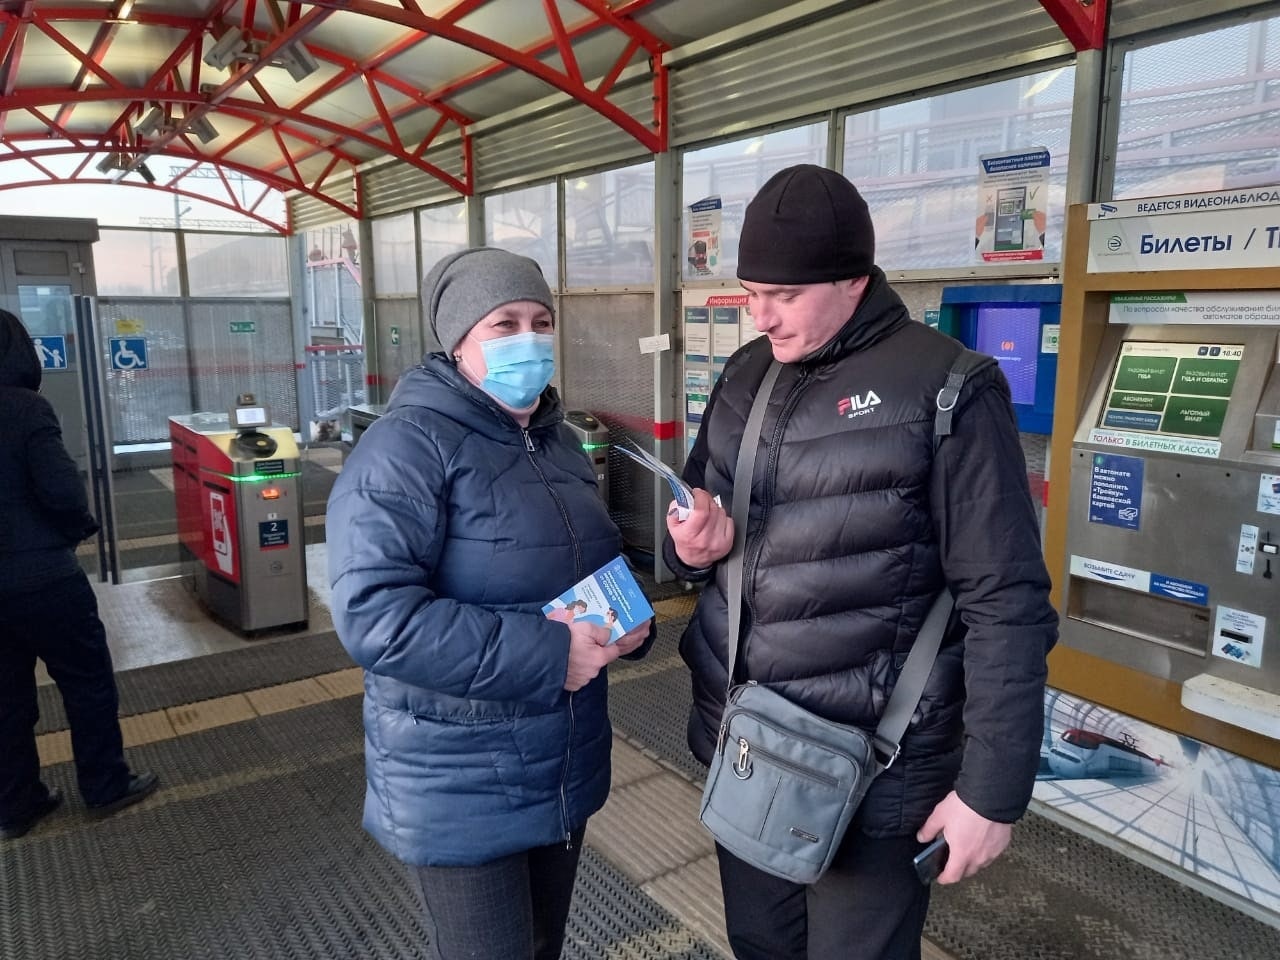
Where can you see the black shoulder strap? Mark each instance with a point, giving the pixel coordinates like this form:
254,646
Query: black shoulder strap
966,364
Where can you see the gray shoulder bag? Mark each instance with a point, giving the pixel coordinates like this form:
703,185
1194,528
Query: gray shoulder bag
784,783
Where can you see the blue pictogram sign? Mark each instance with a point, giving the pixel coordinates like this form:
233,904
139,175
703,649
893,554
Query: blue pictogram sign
128,353
52,352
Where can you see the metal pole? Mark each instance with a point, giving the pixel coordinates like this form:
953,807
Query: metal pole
666,294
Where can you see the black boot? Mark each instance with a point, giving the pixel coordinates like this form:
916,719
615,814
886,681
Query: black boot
141,785
15,830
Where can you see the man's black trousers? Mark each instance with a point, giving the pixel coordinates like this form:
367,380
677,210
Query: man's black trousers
58,624
869,905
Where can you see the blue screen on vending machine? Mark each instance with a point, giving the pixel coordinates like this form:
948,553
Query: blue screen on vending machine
1011,334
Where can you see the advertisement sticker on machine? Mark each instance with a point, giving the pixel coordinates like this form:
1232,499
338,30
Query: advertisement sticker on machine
1178,589
1269,493
1238,634
1115,491
273,534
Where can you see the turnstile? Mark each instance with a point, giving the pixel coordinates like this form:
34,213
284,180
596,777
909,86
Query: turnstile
237,482
594,437
362,417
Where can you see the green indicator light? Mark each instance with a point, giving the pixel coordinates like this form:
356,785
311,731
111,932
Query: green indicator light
253,477
594,446
262,477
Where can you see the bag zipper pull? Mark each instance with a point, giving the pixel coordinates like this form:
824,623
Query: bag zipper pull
742,766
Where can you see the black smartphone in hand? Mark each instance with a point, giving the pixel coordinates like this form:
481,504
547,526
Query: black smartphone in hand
930,861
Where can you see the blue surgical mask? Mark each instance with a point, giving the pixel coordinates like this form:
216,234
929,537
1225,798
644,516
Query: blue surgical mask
519,367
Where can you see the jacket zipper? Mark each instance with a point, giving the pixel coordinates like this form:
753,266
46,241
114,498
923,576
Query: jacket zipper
753,556
564,775
564,514
577,566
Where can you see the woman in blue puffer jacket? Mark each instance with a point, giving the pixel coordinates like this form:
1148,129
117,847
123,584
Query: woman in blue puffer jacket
462,511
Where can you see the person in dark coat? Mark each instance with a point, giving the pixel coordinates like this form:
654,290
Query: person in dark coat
463,510
855,525
51,613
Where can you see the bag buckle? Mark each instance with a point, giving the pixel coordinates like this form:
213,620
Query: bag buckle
742,764
885,748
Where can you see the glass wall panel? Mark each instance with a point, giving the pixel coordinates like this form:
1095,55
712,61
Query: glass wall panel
333,242
524,221
443,230
225,265
332,295
136,263
916,164
394,264
1201,113
734,172
608,225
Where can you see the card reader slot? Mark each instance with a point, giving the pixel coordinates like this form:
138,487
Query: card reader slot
1148,617
1237,637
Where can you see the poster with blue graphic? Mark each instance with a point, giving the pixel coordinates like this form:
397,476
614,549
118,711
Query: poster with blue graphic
1115,491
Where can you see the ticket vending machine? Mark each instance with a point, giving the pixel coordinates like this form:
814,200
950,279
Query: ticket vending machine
237,483
1163,532
1173,540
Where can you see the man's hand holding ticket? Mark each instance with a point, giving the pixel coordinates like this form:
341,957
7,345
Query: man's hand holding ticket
705,534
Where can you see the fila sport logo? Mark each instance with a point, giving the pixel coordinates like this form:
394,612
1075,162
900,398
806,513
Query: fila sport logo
858,404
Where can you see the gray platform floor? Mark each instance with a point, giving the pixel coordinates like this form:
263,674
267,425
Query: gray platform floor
253,848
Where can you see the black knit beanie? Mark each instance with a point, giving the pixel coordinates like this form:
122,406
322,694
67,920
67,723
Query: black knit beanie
807,224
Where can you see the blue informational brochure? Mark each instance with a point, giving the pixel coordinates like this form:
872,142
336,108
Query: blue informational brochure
610,598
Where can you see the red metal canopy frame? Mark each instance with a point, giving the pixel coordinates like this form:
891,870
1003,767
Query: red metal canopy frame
298,135
1083,22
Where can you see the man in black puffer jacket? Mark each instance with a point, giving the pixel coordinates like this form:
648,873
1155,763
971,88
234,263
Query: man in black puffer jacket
50,609
855,524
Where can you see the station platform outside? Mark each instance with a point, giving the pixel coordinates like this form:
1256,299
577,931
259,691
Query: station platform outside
253,847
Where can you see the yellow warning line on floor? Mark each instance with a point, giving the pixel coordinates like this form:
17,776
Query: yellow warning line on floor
220,711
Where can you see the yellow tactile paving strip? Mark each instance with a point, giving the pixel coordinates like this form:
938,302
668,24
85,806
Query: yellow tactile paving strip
675,607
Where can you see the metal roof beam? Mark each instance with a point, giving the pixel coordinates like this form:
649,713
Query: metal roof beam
641,131
11,44
1082,22
97,51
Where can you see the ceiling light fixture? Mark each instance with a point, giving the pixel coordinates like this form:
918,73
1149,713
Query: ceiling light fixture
155,121
228,48
204,130
297,59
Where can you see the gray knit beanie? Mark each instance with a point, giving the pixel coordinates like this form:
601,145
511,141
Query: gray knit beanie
466,286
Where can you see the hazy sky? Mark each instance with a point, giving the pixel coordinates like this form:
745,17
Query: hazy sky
125,205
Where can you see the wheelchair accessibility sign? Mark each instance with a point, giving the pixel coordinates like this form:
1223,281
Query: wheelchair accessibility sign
128,353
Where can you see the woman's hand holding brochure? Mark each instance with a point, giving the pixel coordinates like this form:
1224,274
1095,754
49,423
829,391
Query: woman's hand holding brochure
589,652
